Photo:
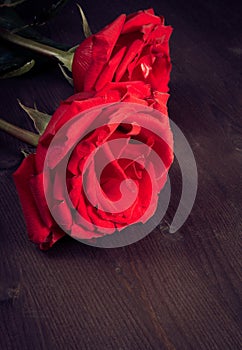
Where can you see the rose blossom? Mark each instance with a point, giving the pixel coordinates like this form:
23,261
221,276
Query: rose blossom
41,226
133,47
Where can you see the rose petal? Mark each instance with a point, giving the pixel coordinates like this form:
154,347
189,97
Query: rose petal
109,70
78,232
140,19
38,230
133,50
92,55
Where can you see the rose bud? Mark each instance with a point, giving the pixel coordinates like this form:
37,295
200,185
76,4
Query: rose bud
133,47
62,191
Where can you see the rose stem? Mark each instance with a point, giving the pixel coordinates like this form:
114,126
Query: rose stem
21,134
64,57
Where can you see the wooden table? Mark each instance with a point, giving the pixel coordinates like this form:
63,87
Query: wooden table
167,291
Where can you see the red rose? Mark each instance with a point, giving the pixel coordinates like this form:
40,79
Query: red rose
29,177
134,47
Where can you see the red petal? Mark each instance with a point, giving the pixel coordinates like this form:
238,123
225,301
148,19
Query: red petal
95,52
81,62
140,19
109,70
134,50
37,229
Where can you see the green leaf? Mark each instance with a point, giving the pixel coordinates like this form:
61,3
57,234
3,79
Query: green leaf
62,56
13,62
69,79
40,119
19,71
85,26
16,59
25,152
9,20
73,49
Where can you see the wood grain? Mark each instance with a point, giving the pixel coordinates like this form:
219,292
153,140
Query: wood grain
167,291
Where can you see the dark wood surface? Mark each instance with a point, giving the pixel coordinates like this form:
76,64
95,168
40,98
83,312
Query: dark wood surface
168,291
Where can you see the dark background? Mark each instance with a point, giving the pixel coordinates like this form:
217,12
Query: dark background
168,291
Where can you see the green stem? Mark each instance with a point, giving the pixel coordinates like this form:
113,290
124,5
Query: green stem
64,57
21,134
